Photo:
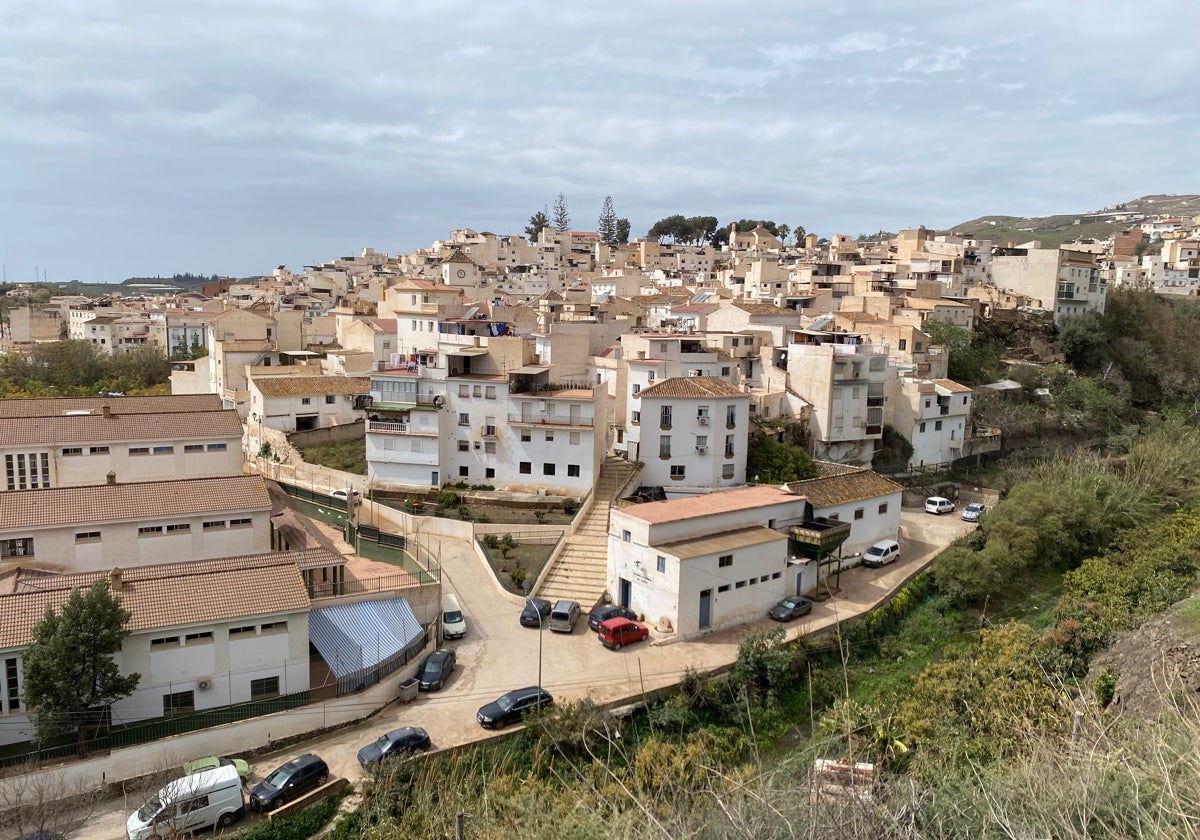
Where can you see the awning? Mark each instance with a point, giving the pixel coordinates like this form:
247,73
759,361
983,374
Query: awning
531,369
466,351
356,637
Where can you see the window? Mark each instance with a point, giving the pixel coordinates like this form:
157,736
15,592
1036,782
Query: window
776,575
193,804
525,467
883,508
548,468
164,450
489,472
12,686
859,513
274,627
650,376
263,688
661,564
164,641
98,450
727,471
330,399
242,631
489,426
549,437
937,425
636,417
179,703
664,446
178,527
20,547
216,447
526,436
28,472
728,446
464,419
463,391
573,438
731,416
464,446
664,418
724,561
904,344
490,392
464,472
306,401
677,472
725,370
477,391
701,440
149,530
921,428
72,450
239,523
741,584
626,536
193,447
724,588
489,447
198,638
139,450
636,388
87,537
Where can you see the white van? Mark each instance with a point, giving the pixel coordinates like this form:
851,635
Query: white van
209,799
881,553
454,624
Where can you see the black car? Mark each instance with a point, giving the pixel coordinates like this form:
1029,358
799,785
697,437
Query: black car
607,611
436,669
399,742
790,608
536,612
300,775
511,707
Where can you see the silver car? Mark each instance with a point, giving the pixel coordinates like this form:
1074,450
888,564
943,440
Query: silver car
973,511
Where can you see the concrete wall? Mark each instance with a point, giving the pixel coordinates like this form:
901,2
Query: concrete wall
345,433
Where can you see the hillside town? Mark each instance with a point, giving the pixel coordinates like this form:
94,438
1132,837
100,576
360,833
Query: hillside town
619,386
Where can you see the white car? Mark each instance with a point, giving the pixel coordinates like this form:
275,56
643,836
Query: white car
345,494
939,505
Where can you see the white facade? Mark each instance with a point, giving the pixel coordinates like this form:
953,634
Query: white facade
935,416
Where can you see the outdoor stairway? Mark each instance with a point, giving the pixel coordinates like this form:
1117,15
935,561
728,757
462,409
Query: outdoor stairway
580,572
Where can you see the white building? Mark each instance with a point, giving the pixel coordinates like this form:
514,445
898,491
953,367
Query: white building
935,416
291,403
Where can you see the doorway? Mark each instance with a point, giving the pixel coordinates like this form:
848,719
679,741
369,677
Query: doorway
705,608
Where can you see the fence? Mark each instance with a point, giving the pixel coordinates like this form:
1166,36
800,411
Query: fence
150,730
392,547
362,678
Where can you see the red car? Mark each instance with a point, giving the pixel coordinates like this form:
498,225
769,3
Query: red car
615,633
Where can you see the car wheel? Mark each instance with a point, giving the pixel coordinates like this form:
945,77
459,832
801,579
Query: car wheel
225,821
322,779
499,724
618,646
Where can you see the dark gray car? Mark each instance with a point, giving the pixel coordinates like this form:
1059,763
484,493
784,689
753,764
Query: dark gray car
436,669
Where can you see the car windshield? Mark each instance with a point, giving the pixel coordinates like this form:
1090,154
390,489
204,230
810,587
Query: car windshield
875,550
506,702
453,616
278,779
383,743
433,666
148,811
786,603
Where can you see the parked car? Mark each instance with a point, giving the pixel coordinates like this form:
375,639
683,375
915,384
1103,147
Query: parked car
511,707
603,613
346,493
973,511
563,616
939,505
212,799
289,780
454,623
536,612
615,633
212,762
406,740
790,608
436,669
881,553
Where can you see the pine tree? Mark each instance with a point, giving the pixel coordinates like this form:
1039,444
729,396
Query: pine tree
562,218
607,225
70,675
537,223
622,231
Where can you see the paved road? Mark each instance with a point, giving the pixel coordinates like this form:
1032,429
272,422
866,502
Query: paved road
498,654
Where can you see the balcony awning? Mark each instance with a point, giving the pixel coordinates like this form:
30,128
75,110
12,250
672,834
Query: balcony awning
355,637
531,369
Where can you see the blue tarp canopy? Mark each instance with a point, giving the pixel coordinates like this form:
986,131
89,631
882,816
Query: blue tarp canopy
355,637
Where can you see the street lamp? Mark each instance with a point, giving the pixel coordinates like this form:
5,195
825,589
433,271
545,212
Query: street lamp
526,585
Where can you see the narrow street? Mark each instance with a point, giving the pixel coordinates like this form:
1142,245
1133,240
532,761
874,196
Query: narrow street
498,654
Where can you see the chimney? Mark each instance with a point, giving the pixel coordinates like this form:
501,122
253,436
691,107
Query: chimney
112,476
106,410
115,581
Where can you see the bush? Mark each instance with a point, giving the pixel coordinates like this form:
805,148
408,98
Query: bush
1106,687
446,499
299,826
569,506
517,575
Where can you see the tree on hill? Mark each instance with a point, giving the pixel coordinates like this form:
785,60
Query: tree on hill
538,222
562,217
607,223
70,675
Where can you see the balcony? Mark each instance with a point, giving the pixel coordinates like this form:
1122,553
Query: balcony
550,420
388,427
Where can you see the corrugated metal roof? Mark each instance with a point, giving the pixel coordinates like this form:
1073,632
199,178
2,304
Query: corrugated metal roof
351,637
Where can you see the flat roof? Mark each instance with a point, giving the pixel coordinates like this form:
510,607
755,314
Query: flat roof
708,504
719,543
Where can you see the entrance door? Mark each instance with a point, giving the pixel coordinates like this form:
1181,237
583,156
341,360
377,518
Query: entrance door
624,592
705,608
526,411
433,479
799,583
574,415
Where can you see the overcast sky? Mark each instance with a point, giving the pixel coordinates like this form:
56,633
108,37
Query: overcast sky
227,136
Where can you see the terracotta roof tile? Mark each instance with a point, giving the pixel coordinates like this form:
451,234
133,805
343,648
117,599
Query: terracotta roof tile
952,386
174,595
23,509
96,428
310,386
692,386
764,309
53,407
837,489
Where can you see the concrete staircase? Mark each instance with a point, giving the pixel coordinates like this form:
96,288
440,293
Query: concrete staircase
580,572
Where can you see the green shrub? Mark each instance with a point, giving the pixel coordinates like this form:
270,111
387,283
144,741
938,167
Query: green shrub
446,499
1106,686
299,826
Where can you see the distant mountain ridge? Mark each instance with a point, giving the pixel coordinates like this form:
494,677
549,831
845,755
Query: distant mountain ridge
1096,224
